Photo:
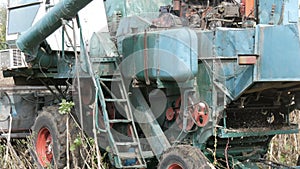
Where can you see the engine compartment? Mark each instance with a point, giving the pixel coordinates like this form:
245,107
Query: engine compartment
206,14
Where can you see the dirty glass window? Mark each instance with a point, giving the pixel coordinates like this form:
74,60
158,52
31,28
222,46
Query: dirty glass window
21,18
134,7
21,2
145,10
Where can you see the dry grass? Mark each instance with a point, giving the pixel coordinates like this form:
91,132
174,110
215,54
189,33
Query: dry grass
16,153
285,148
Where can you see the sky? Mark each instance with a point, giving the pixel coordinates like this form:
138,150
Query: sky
3,2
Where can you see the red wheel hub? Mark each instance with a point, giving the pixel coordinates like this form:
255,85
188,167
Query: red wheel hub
175,166
44,147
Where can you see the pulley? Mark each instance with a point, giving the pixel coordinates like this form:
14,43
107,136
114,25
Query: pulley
197,114
200,114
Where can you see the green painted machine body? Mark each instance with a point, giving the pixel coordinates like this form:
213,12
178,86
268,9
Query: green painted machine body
159,53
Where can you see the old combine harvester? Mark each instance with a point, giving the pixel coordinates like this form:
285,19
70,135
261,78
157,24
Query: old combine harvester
176,84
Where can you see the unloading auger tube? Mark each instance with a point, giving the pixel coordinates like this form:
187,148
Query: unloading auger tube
31,39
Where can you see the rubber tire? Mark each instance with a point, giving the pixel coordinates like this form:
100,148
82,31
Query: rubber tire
187,157
56,124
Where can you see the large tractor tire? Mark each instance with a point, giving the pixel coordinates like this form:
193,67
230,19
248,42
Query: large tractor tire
50,138
183,157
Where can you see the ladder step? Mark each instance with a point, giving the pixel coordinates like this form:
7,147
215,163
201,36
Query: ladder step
120,121
115,100
111,79
135,166
123,150
99,130
147,154
128,155
126,143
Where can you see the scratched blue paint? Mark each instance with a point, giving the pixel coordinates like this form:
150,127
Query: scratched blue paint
223,46
231,42
283,12
278,48
205,44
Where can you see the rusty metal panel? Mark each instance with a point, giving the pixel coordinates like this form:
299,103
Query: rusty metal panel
249,8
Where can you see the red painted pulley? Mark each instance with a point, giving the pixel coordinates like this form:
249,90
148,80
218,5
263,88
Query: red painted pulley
200,114
170,114
173,111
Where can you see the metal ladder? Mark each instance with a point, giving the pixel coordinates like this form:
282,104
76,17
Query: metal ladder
126,153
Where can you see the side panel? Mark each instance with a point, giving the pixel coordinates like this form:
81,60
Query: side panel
218,54
278,48
231,42
23,108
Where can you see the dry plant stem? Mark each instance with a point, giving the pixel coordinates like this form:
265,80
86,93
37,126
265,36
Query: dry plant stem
86,157
296,144
270,153
215,147
68,135
226,154
15,157
8,141
279,147
96,140
10,152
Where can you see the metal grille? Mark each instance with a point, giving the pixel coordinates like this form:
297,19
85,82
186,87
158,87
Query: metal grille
12,59
17,58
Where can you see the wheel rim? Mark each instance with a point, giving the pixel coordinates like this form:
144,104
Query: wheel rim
175,166
44,146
